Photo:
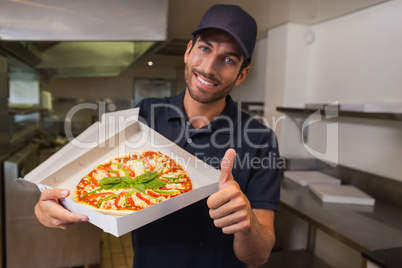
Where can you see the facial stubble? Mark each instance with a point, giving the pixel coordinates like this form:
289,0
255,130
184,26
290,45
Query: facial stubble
201,95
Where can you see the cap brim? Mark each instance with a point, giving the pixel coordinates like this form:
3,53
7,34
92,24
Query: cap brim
235,37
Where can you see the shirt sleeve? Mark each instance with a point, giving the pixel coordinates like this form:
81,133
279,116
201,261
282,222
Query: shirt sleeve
263,188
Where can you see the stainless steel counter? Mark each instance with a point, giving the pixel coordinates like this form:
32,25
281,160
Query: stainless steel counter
387,258
361,227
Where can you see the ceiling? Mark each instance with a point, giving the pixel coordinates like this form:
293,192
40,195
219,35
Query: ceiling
86,38
68,59
184,16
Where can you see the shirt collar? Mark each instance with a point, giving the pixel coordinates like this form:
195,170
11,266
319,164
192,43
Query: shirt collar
177,101
225,122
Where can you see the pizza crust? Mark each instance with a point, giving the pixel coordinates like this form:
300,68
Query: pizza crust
107,212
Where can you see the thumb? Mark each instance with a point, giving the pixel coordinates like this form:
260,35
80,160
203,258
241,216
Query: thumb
226,168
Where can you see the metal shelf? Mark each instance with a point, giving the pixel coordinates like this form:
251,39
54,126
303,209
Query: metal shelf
24,111
343,113
301,115
295,259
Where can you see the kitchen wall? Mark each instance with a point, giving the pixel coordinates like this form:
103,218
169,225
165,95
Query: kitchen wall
357,59
69,92
253,87
120,87
353,59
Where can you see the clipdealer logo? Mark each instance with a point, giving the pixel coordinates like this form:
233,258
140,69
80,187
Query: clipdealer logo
109,127
111,133
330,156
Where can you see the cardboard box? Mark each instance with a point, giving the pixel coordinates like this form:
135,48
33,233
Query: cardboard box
120,133
341,194
305,178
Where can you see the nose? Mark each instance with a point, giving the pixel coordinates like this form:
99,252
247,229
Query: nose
210,64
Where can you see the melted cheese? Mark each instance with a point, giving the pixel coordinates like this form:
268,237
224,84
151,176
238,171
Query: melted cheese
139,164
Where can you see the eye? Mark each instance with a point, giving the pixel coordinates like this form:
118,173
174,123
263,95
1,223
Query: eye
229,61
204,48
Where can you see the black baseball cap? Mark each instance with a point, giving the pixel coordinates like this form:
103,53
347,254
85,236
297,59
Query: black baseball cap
232,19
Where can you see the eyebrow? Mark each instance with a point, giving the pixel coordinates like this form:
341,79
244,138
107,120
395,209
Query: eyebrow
234,54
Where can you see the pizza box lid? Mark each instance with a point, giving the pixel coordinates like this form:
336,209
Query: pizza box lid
120,133
305,178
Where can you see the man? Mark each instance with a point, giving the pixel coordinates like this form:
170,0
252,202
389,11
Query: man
234,226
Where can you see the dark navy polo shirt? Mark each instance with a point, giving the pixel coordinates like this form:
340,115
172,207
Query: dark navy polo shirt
188,237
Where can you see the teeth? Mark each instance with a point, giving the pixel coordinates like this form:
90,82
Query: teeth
204,82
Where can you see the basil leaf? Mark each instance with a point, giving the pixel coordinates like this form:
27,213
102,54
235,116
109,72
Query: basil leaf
121,185
139,187
109,180
156,183
148,180
127,180
115,182
147,176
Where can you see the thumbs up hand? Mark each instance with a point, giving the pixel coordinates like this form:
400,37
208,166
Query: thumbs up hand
226,176
229,207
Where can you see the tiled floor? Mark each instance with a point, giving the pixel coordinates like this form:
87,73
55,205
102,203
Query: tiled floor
116,252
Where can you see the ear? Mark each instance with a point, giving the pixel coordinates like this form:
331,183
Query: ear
187,53
242,75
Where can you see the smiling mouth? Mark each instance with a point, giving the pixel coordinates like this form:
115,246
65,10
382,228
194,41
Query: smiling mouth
206,83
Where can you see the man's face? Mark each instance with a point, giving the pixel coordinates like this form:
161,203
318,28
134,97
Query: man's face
213,66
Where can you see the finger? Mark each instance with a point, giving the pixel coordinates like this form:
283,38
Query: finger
229,204
65,216
220,198
236,228
226,168
239,218
52,194
50,213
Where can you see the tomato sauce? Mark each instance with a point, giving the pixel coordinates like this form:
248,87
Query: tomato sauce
88,186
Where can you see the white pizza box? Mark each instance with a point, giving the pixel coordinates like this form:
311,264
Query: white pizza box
120,133
341,194
304,178
354,107
383,107
372,107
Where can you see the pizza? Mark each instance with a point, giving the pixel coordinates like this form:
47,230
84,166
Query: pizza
132,182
